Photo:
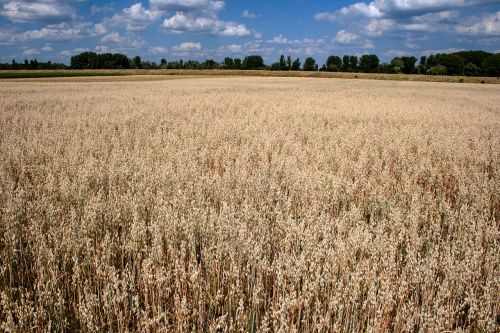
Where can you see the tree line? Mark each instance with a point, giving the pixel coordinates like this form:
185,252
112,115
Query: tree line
469,63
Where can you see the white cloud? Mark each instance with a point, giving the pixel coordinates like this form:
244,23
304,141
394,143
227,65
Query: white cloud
396,8
185,22
200,6
248,14
157,50
347,37
49,11
31,52
66,53
57,32
280,39
95,9
187,47
47,48
380,16
100,29
487,25
198,16
127,41
135,17
449,50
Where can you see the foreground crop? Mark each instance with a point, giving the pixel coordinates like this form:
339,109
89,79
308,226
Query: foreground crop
249,204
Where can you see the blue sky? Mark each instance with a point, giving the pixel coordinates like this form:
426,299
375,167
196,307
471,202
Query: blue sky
201,29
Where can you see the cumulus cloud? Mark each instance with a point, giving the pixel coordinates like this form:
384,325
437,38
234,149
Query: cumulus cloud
198,16
202,7
157,50
30,52
280,39
248,14
487,24
135,17
185,22
48,11
95,9
347,37
397,8
47,48
57,32
380,16
127,41
187,47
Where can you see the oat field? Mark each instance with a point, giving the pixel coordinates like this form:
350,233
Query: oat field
249,205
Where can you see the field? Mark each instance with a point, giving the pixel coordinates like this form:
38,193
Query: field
249,204
165,74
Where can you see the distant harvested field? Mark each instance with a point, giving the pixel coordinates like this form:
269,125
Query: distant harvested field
249,205
163,74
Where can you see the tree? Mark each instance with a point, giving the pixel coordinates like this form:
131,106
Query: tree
253,62
397,65
209,64
296,65
369,63
237,63
431,61
163,62
137,62
472,70
453,63
333,64
353,62
409,64
437,70
289,62
349,63
473,57
310,64
491,65
228,63
282,63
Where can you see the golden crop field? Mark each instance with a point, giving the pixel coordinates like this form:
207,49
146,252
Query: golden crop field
249,205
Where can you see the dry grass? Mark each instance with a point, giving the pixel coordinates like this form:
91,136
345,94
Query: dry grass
166,74
249,204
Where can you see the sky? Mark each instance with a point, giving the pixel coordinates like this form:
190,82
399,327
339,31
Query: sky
212,29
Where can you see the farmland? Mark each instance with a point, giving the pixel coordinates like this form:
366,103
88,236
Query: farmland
259,204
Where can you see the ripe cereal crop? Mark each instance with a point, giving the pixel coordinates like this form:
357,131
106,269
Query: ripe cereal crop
249,204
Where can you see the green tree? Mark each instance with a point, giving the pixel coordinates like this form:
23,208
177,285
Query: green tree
397,65
409,64
369,63
289,62
296,65
491,65
453,63
437,70
253,62
333,64
237,63
137,62
310,65
228,63
472,70
282,63
474,57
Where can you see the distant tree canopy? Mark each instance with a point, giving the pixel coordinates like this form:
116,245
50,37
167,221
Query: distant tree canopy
333,64
310,65
91,60
253,62
470,63
369,63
